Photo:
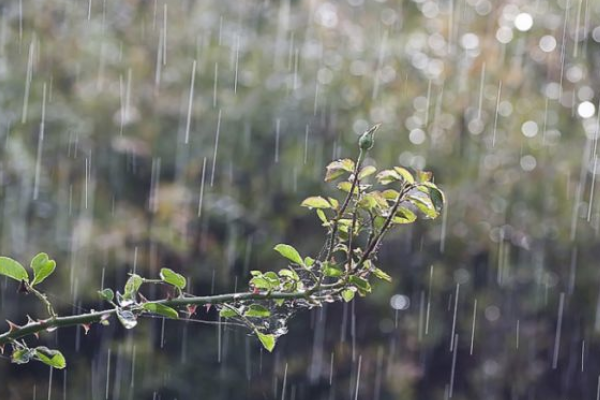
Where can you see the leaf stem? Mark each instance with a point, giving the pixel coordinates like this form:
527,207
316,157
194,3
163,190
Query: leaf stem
43,299
342,209
377,239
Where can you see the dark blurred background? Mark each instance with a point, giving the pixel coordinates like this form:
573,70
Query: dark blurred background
103,159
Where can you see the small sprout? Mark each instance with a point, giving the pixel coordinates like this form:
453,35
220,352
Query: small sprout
367,139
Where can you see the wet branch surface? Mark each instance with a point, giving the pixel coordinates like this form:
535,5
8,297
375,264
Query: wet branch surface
36,327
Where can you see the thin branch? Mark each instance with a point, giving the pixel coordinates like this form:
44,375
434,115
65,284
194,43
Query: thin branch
97,316
351,234
375,242
342,209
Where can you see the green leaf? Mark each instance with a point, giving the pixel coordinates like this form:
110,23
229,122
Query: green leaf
322,217
273,279
346,186
379,222
348,295
132,285
161,309
42,268
405,174
22,356
388,176
381,274
404,216
173,278
260,282
271,276
53,358
227,312
107,294
361,284
424,176
344,224
256,310
424,205
13,269
337,168
367,202
332,270
290,253
316,202
390,194
379,199
309,261
366,171
437,198
334,203
268,341
289,273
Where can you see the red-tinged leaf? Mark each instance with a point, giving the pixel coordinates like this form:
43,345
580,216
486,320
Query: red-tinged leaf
86,328
23,287
191,309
